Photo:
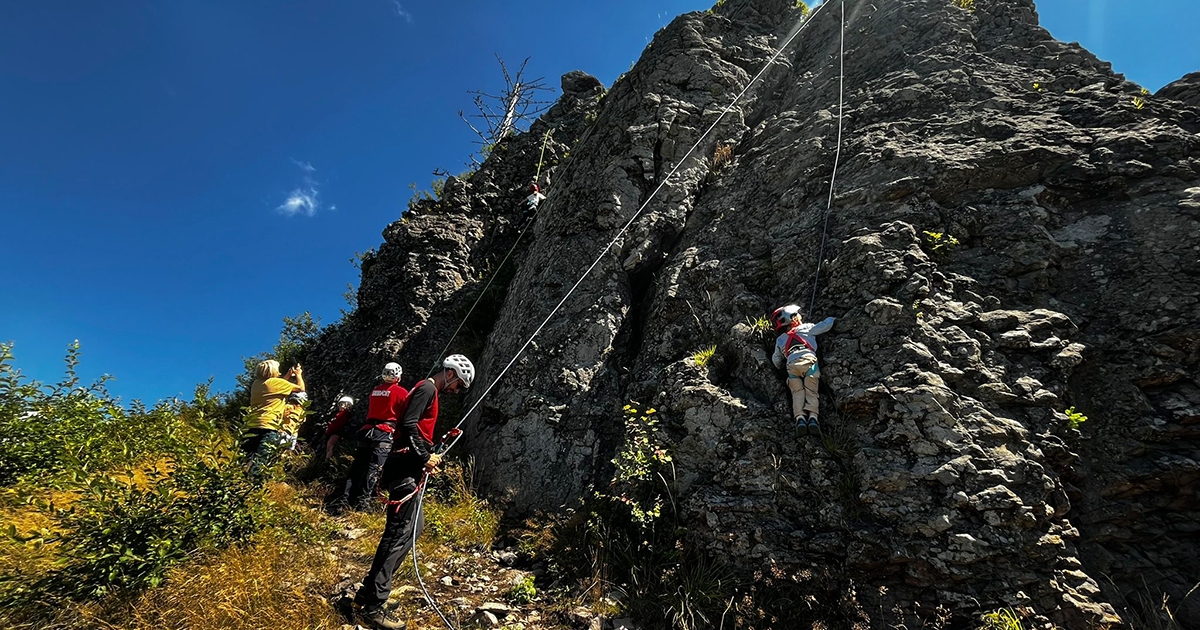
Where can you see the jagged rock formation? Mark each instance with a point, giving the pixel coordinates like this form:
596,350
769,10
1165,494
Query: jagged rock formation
949,474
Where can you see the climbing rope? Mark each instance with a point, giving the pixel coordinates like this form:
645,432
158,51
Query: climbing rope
456,433
837,156
542,155
437,359
646,203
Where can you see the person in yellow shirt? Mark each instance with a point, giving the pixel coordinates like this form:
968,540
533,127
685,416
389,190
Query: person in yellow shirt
268,400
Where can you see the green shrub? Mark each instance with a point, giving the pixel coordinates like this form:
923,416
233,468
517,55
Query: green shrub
99,498
704,356
522,592
1074,418
1003,619
940,240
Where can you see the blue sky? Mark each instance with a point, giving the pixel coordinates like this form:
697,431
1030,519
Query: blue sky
177,175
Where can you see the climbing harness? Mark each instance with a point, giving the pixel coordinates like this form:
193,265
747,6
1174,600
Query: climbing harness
455,434
793,338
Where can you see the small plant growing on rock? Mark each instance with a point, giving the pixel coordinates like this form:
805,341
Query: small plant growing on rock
1003,619
722,156
965,5
704,356
638,464
1074,418
800,4
522,592
719,3
940,240
1140,101
759,325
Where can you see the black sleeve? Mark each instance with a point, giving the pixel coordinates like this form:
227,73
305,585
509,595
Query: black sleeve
418,400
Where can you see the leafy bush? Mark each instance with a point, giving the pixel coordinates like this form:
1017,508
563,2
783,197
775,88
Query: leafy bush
1074,418
522,592
103,499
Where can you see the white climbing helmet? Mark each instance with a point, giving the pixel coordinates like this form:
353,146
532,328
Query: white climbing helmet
783,316
346,399
462,366
298,398
392,372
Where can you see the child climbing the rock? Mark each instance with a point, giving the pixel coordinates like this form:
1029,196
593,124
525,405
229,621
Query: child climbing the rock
796,348
533,200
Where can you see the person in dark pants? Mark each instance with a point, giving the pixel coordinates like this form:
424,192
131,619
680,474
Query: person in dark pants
387,403
412,458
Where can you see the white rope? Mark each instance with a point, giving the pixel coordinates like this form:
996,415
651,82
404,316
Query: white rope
637,214
611,243
837,156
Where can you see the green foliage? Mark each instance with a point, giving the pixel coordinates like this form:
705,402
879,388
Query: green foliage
632,537
454,514
67,427
523,592
1074,418
761,325
1139,102
940,240
589,118
800,4
297,336
639,466
1003,619
1037,87
966,5
704,356
719,4
111,497
124,535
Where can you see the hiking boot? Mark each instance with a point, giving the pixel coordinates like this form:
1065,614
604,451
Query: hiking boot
801,426
380,618
814,427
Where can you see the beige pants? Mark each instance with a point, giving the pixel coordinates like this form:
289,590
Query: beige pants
804,377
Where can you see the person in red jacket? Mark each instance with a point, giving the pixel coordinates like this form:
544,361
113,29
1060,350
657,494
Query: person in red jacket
334,432
412,458
386,404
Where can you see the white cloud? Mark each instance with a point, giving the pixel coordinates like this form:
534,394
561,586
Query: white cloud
401,12
305,200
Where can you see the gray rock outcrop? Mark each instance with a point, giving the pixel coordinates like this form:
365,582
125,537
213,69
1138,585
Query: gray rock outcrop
1015,231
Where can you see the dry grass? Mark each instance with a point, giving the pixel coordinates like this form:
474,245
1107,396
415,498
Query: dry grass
273,583
722,156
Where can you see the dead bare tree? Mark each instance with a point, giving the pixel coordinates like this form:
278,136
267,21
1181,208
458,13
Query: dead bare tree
502,114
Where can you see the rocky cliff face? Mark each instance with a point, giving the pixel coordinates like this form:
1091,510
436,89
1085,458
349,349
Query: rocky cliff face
1015,231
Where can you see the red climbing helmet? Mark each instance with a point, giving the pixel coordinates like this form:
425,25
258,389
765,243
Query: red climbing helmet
534,188
783,316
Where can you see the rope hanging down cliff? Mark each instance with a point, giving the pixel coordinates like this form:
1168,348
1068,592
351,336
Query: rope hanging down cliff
437,360
837,156
455,434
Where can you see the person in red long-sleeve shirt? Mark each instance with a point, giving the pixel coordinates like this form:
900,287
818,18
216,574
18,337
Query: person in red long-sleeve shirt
333,432
413,456
387,403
